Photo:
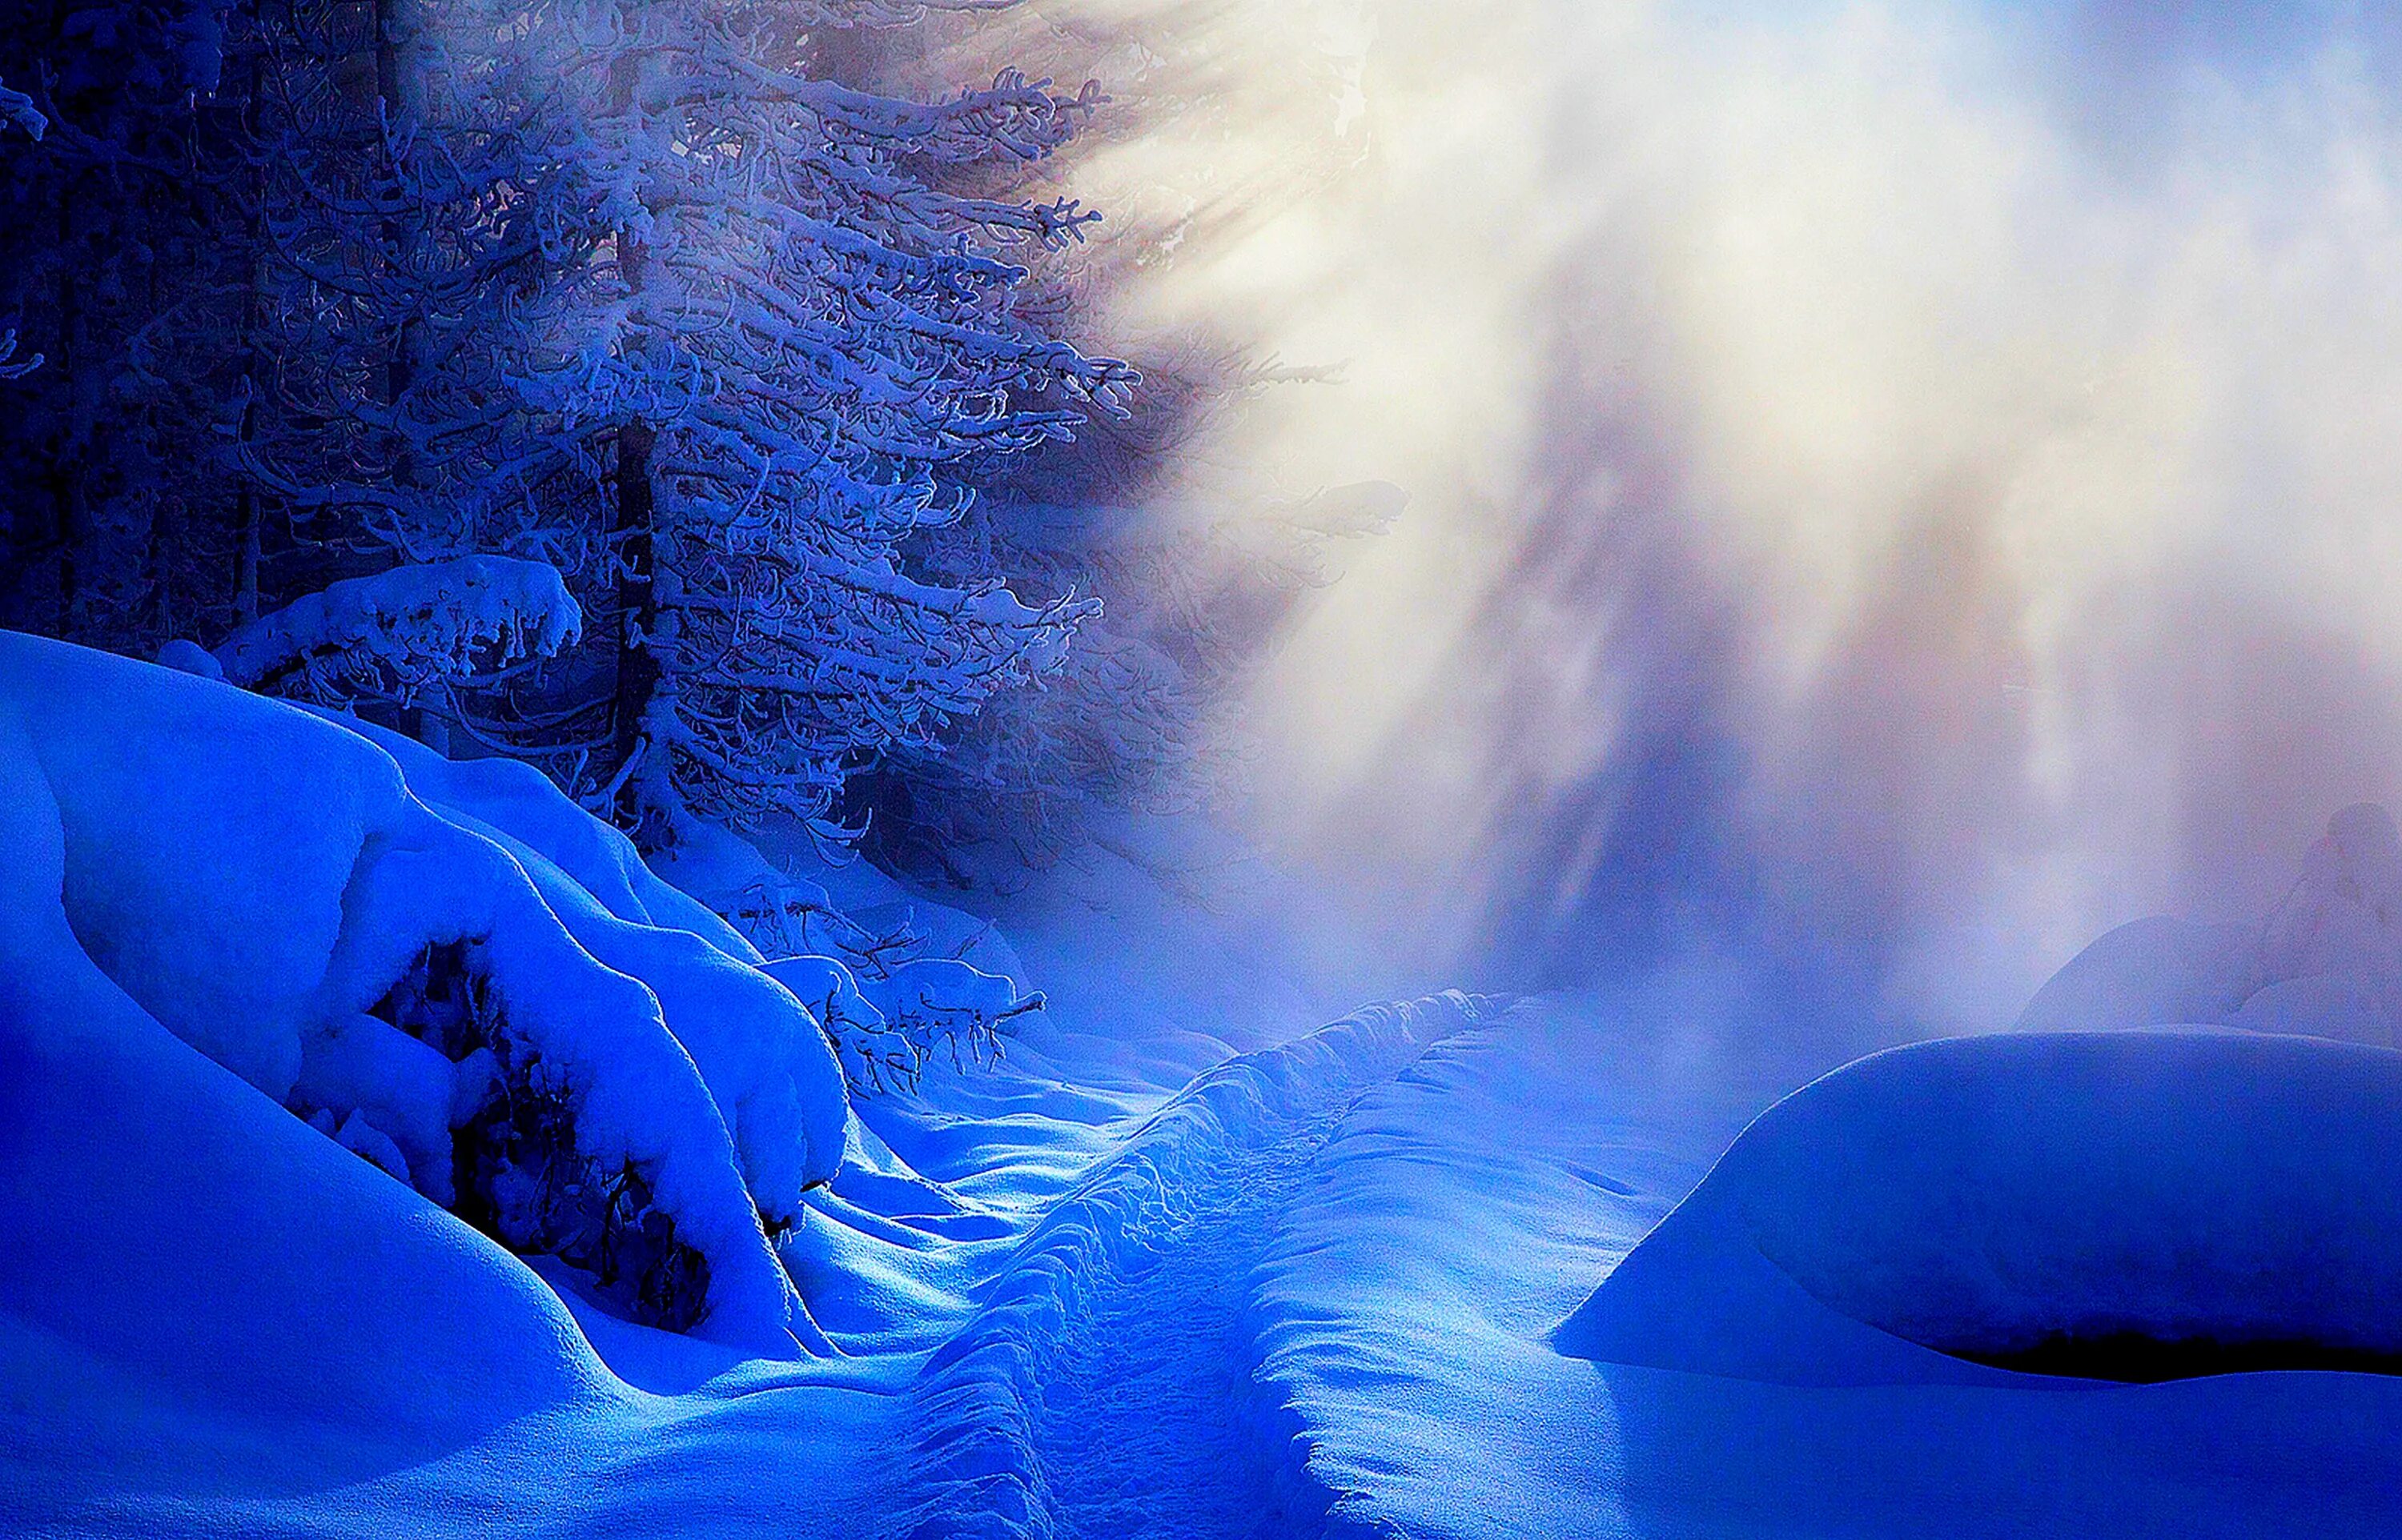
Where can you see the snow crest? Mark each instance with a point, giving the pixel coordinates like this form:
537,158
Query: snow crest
2327,961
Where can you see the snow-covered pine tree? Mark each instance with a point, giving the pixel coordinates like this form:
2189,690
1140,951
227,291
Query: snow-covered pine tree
414,211
790,341
626,286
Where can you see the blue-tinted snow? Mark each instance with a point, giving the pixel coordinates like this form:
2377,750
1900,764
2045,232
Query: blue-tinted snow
1177,1266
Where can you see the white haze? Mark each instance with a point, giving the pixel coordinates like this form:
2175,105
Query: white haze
1906,485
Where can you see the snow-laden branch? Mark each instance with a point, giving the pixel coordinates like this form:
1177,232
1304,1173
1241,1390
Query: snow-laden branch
17,110
409,627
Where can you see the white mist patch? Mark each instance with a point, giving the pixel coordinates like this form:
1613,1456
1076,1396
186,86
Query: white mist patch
1908,478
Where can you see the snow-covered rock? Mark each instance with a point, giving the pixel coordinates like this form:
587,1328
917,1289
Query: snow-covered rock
1990,1197
2326,962
439,957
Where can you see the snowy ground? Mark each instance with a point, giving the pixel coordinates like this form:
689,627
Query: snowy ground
1181,1265
1312,1293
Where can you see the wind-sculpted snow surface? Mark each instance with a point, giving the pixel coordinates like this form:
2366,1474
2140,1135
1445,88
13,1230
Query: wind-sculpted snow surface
171,1229
1106,1384
268,886
1460,1210
1126,1281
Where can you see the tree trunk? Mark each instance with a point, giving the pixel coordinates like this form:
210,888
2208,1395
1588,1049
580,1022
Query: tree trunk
638,667
426,725
247,514
68,467
633,525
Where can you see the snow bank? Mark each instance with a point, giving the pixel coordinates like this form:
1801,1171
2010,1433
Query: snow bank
268,887
513,801
1995,1196
165,1218
1461,1211
766,1063
2327,961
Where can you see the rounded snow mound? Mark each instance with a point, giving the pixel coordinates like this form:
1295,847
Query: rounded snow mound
446,971
2327,961
2133,1205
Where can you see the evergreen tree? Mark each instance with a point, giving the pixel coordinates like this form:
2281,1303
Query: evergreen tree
628,289
796,345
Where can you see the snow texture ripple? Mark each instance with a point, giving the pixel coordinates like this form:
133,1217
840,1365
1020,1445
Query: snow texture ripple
1106,1385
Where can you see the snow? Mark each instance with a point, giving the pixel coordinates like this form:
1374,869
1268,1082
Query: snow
1462,1209
2327,961
175,1238
1171,1266
1003,1444
1986,1196
516,803
191,812
411,626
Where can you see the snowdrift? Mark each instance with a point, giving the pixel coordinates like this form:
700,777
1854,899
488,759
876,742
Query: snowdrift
2178,1197
169,1225
2327,961
227,915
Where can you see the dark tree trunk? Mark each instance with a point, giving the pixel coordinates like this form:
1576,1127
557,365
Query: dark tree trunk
68,468
638,667
633,525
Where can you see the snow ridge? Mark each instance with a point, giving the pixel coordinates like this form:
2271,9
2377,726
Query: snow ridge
1162,1237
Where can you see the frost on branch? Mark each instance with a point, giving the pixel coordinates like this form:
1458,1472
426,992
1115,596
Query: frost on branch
451,971
408,629
11,367
887,1026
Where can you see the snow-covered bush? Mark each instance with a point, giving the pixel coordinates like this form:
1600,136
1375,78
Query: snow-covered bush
168,1223
2327,961
874,1057
452,970
942,999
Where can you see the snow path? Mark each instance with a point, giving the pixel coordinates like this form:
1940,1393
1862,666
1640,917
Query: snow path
1456,1214
1108,1384
1150,1420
